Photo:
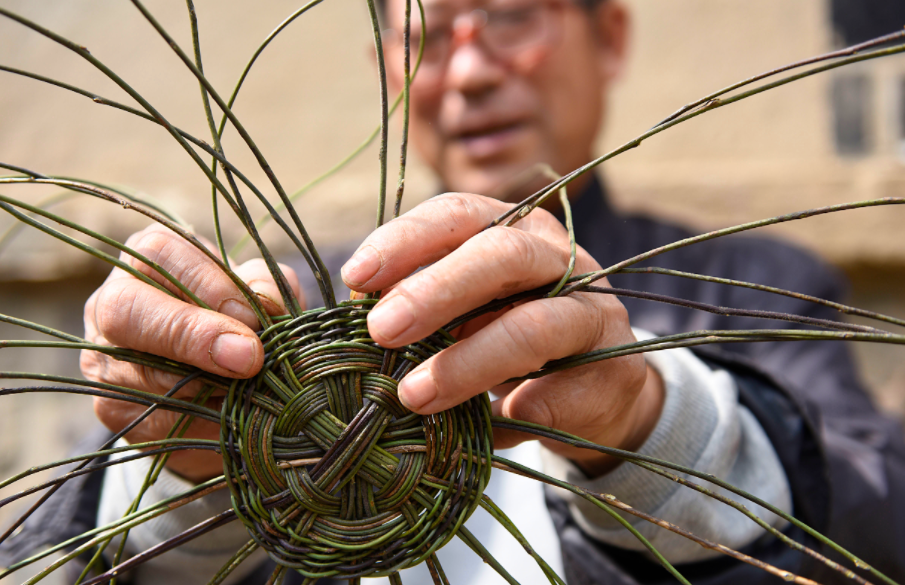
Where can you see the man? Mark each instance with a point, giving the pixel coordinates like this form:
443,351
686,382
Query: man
507,85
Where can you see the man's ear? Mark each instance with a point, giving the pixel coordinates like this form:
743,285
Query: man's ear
613,28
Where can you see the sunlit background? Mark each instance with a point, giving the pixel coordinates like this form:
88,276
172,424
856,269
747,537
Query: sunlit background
313,98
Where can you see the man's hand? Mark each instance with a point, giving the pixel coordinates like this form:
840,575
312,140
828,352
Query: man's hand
127,312
615,402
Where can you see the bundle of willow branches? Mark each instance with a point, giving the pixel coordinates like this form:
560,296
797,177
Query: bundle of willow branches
329,472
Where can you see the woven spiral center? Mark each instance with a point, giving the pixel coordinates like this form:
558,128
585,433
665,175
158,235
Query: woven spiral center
328,471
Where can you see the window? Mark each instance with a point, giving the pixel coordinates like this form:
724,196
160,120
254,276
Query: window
852,103
900,116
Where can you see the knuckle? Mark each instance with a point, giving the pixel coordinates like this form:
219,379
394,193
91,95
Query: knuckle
428,291
153,245
186,335
107,412
521,253
114,308
538,410
88,313
605,319
92,365
529,331
459,209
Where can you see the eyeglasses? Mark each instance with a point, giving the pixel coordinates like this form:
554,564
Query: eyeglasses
509,30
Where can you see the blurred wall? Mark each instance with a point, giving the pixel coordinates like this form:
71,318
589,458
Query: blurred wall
313,97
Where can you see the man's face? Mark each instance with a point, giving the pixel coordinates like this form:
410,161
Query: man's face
507,84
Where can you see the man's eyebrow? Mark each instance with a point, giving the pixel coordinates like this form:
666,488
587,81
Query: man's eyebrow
438,6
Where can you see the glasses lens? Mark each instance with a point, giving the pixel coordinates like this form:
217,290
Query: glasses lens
514,26
436,43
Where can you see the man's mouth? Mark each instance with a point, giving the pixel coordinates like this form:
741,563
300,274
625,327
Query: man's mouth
490,141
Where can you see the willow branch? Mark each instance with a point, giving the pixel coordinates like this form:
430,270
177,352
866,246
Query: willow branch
846,309
709,106
798,215
315,262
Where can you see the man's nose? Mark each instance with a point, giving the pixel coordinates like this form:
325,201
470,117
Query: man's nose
472,70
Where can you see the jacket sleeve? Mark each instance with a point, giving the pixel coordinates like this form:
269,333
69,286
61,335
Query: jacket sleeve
844,461
702,426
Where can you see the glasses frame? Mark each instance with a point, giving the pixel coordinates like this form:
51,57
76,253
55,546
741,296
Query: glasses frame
468,26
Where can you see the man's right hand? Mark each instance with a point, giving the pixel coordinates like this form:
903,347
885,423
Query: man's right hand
127,312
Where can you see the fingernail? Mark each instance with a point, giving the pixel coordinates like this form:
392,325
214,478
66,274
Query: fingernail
417,389
361,267
233,352
261,289
391,318
238,311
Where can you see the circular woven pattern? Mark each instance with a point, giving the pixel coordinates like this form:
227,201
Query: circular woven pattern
328,471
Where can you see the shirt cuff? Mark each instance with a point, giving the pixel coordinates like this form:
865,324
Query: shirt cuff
703,427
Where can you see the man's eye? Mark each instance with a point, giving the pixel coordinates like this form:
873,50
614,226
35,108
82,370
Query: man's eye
434,36
512,17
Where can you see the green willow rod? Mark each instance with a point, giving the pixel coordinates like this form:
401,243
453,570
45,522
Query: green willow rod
106,391
707,337
406,89
352,155
436,571
90,250
218,132
384,111
186,235
848,310
168,447
41,328
172,405
122,192
188,137
710,106
491,508
640,460
732,312
134,357
16,228
475,545
289,299
758,520
104,453
644,541
178,430
140,517
318,268
798,215
107,444
85,54
543,169
606,501
6,202
848,51
233,563
654,297
188,535
209,116
276,578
